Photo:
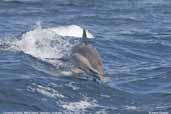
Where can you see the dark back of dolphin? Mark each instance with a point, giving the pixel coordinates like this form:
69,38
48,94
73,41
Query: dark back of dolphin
90,53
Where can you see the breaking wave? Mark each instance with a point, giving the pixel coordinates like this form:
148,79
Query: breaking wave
46,43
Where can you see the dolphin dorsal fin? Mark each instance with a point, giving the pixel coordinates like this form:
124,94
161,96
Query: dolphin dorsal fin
84,36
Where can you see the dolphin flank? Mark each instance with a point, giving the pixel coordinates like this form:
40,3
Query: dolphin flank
86,58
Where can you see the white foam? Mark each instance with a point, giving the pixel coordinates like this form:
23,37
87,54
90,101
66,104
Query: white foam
102,111
131,107
49,43
79,106
71,84
38,44
46,91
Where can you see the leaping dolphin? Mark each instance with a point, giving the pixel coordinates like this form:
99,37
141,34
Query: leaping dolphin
85,58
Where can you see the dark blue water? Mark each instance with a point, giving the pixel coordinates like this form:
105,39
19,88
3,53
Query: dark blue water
133,38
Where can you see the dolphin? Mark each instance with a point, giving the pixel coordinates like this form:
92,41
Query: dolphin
85,58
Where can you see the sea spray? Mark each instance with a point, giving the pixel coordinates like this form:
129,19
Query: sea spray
47,44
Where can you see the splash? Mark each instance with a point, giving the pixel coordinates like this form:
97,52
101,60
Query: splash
52,42
46,43
42,43
72,30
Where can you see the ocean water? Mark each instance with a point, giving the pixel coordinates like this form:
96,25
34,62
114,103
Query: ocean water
133,38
